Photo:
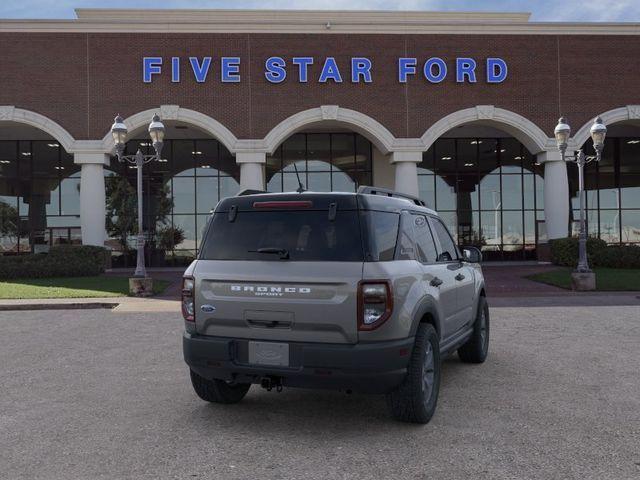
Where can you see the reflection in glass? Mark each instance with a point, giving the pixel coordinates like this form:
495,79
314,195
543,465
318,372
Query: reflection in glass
512,192
630,196
207,194
490,224
512,232
192,177
445,195
325,161
610,226
490,180
451,221
630,222
39,196
426,188
613,187
530,227
490,192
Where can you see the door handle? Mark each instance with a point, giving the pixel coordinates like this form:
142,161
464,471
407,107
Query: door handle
459,277
436,282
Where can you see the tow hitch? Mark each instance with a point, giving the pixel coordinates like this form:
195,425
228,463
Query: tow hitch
269,383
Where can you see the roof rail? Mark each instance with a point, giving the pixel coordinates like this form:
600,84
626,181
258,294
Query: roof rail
390,193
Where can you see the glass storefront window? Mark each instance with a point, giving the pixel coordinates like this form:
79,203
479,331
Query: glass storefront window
612,190
610,225
39,196
179,192
490,198
325,162
630,222
445,195
426,187
495,202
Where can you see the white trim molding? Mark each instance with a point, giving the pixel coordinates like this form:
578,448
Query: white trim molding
527,132
373,130
621,114
180,114
310,21
9,113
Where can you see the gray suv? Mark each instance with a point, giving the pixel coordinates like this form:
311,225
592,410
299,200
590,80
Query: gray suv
357,291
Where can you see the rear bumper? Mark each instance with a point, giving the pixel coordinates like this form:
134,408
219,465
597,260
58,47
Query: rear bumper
366,367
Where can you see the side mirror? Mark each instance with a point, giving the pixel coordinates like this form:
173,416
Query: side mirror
471,254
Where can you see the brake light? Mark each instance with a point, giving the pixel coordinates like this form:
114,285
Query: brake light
375,303
188,302
284,204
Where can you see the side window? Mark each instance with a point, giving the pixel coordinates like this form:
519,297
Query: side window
424,240
405,249
449,250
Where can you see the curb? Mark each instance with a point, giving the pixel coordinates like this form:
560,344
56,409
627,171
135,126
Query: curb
58,306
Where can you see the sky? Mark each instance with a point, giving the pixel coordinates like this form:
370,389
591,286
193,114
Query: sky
542,10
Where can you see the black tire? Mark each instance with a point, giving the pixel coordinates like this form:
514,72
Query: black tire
477,347
218,391
414,401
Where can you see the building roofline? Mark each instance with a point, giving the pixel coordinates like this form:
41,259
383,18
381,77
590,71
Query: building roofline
287,16
310,21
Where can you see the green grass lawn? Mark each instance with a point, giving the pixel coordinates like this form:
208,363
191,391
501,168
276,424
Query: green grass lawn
607,279
71,287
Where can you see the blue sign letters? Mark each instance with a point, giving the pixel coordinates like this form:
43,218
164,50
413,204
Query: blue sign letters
327,70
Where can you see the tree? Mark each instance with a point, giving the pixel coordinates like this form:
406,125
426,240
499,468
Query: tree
122,209
8,220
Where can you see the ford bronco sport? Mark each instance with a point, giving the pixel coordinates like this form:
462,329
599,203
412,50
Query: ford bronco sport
357,291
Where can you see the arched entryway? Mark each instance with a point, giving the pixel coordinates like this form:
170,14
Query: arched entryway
481,173
39,184
333,149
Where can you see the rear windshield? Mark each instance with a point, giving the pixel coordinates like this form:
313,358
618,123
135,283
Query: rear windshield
304,236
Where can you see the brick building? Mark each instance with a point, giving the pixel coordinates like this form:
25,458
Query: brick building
458,108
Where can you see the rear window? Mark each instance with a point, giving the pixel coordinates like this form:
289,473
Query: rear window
305,235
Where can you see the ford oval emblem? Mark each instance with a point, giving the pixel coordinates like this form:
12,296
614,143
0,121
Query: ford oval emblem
207,308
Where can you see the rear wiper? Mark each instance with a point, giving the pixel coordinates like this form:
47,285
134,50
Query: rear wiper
283,252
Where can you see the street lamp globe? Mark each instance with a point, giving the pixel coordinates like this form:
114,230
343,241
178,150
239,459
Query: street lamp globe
119,133
598,132
156,132
562,133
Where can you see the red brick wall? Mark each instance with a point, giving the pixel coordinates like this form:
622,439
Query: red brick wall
82,80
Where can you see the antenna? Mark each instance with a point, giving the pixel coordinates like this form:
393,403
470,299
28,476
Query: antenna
300,186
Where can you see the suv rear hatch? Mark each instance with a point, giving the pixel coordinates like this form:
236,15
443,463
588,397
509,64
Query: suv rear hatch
281,267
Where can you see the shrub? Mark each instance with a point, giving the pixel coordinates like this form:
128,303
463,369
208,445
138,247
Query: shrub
565,252
618,256
61,261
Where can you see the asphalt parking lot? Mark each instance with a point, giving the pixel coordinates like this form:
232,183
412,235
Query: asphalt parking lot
97,394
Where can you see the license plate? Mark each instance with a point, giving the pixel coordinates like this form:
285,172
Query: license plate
269,353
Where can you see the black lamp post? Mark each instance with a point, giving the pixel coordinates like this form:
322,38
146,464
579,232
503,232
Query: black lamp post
156,132
598,132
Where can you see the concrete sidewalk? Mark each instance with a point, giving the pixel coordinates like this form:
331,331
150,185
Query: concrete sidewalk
117,304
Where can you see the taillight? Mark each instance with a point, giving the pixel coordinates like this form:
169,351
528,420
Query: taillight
188,304
375,303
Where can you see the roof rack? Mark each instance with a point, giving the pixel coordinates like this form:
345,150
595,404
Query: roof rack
390,193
